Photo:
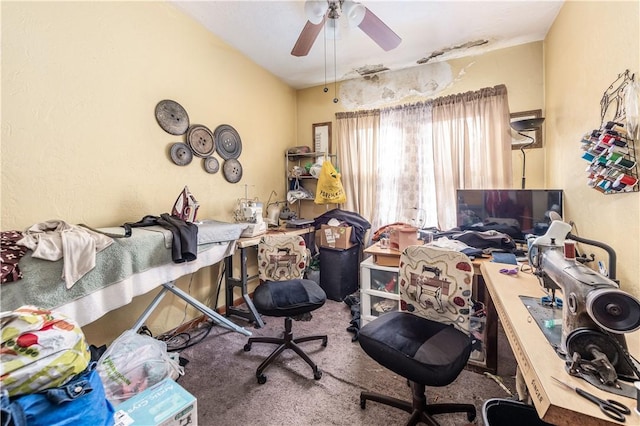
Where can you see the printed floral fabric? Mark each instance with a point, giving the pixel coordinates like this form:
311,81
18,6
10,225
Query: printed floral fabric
10,255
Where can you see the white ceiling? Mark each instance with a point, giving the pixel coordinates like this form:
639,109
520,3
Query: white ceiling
266,31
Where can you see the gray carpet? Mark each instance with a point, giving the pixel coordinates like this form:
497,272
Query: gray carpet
221,375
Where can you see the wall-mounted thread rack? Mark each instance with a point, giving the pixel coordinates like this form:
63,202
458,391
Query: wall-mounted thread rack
610,149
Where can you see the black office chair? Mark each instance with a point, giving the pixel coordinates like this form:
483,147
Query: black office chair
428,341
285,293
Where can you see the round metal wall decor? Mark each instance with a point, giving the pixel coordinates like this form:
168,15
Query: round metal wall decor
211,165
200,139
232,170
181,154
228,142
172,117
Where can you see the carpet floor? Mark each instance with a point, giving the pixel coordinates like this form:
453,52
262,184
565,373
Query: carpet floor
221,375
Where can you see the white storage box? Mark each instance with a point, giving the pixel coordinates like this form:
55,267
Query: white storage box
165,404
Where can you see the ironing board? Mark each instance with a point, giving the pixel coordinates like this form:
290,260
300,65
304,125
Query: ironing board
127,268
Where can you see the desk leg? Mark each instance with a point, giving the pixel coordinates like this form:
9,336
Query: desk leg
215,317
231,283
491,329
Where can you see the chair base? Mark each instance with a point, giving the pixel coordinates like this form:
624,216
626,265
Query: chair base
287,341
419,409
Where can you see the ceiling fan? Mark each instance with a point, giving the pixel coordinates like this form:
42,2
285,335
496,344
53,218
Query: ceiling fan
318,11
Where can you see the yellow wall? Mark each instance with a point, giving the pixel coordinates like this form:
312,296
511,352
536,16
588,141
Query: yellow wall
520,68
581,61
80,142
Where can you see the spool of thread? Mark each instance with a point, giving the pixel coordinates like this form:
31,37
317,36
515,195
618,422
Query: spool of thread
618,186
613,156
614,125
624,162
613,173
552,323
588,156
604,184
626,179
618,142
620,149
569,250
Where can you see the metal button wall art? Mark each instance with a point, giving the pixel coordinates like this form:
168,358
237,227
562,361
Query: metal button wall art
228,142
181,154
200,139
172,117
232,170
211,165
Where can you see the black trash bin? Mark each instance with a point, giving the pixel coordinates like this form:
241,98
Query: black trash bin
339,271
504,412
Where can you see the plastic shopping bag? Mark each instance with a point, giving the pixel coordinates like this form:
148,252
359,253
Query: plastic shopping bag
330,189
133,363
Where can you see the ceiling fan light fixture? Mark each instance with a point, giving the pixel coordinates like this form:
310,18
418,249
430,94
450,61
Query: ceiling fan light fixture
315,10
355,12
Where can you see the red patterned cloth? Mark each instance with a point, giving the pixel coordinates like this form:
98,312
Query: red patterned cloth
10,255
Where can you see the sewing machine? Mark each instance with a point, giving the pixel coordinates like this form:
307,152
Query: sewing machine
595,313
250,212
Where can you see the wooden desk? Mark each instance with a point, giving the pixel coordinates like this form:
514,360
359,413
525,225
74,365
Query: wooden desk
231,282
538,361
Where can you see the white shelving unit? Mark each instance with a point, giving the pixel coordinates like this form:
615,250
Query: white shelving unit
378,290
307,181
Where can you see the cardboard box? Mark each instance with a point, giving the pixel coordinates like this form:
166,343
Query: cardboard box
384,257
164,404
403,236
337,237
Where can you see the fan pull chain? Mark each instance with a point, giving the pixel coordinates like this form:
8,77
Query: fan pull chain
335,67
324,34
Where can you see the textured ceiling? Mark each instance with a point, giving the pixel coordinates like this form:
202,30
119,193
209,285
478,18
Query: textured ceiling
431,31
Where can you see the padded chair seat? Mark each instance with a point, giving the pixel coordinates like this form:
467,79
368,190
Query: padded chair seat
288,298
423,351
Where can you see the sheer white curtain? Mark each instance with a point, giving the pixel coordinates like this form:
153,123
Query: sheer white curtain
406,162
357,141
405,186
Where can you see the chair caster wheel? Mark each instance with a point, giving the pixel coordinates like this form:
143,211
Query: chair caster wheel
363,403
262,379
324,342
317,374
247,347
471,416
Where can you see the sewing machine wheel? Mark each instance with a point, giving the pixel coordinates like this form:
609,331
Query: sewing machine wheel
582,340
614,310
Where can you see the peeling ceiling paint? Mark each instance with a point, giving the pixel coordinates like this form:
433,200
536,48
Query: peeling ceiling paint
393,87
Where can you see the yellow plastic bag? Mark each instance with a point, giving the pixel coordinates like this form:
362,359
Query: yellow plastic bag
329,190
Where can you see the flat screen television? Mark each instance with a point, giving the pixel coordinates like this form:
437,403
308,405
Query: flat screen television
516,212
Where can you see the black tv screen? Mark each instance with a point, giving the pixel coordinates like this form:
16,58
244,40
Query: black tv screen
516,212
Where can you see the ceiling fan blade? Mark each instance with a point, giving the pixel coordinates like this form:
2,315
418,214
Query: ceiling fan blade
379,31
307,38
